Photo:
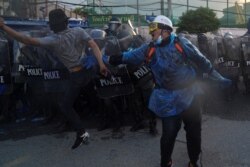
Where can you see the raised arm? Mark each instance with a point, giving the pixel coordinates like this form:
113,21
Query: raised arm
17,35
98,55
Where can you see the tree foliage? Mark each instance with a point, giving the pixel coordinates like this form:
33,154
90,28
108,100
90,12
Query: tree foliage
83,11
86,11
201,20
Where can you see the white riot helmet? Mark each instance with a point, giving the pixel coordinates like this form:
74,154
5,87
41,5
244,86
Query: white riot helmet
161,22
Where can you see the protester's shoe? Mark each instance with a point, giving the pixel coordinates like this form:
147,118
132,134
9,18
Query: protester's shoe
81,138
170,164
190,164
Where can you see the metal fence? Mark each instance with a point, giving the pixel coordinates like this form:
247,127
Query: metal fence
230,13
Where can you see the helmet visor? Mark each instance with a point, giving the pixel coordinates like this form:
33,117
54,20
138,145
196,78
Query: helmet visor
113,26
152,27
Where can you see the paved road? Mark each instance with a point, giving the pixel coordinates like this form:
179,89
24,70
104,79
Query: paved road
226,143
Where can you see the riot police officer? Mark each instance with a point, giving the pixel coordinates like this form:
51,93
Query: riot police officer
113,26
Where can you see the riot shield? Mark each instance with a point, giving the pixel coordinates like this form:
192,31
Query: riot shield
99,37
203,44
124,31
125,39
118,84
22,59
191,37
5,66
213,50
39,66
227,60
219,51
115,46
245,46
112,46
231,66
141,75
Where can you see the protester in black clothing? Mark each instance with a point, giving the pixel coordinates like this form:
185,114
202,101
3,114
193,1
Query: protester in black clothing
68,44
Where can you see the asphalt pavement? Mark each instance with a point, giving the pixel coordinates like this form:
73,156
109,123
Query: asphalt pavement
225,142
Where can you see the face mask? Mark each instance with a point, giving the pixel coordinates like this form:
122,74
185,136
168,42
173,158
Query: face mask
159,40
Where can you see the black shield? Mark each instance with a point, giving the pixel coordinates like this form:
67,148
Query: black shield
118,84
5,66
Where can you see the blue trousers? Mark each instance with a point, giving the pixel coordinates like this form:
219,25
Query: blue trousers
192,125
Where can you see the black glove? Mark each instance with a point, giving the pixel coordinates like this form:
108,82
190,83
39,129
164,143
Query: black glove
115,60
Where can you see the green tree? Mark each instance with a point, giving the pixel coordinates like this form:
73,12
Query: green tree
84,11
92,10
201,20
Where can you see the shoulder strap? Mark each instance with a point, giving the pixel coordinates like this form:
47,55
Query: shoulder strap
150,53
178,46
151,50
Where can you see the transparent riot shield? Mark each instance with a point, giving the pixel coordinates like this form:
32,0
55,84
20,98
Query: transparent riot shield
99,37
212,48
231,66
125,39
124,31
245,46
219,51
191,37
203,44
5,66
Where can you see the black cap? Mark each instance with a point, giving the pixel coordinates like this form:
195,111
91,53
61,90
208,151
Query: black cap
57,16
